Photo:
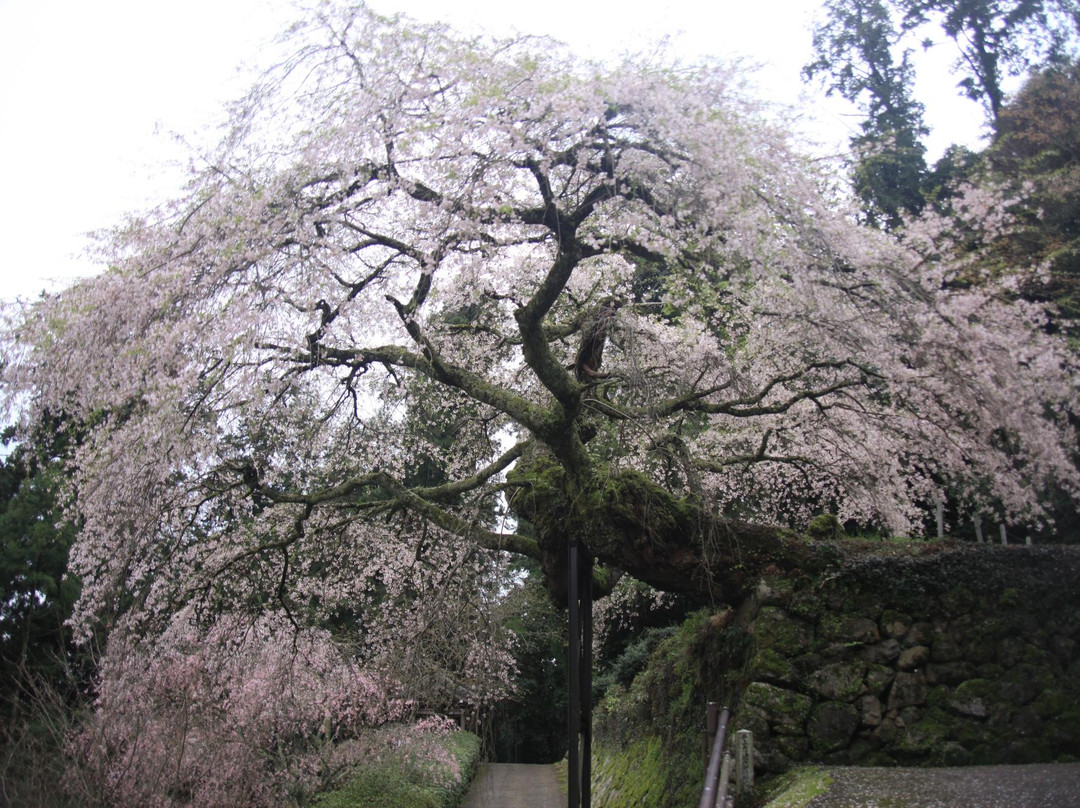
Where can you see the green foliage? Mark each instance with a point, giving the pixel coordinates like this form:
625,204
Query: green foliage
648,749
36,593
888,174
399,782
863,53
997,38
632,660
954,167
824,526
797,788
531,726
855,52
1036,153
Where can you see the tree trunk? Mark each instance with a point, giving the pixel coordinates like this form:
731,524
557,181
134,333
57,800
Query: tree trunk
631,524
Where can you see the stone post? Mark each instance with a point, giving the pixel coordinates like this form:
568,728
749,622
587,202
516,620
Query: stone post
744,767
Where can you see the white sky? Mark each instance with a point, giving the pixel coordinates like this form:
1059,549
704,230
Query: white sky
91,90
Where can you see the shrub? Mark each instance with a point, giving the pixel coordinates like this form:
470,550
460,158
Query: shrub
412,767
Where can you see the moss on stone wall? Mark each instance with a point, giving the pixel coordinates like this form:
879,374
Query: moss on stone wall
649,746
966,655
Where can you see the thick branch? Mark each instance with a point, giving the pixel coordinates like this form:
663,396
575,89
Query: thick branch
751,405
472,384
361,490
676,544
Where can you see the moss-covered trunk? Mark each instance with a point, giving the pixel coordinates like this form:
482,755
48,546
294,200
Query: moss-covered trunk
631,524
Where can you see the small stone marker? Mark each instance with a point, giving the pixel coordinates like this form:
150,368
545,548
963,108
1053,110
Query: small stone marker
744,766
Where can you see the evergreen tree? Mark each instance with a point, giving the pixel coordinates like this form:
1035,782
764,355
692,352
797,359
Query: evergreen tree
36,593
997,38
855,52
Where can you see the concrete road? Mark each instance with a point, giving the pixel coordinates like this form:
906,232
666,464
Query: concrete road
1036,786
515,785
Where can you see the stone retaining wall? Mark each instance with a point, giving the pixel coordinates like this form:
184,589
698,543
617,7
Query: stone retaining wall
971,655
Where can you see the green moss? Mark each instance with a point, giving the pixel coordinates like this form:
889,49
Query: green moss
824,526
839,681
769,666
797,788
1010,597
398,782
636,774
776,630
848,628
778,702
1052,702
972,689
927,736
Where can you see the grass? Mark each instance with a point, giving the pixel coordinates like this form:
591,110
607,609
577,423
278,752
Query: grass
396,781
796,788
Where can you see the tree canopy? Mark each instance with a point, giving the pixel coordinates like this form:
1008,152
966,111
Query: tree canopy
863,53
854,48
436,300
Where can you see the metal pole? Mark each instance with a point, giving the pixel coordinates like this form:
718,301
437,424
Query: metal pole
712,775
725,779
579,720
573,795
712,716
585,571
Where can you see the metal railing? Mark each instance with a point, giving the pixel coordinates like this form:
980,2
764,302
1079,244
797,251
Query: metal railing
714,794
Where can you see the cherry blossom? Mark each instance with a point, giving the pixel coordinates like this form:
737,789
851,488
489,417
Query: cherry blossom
435,301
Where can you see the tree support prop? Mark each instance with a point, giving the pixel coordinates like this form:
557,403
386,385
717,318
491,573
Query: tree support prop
579,729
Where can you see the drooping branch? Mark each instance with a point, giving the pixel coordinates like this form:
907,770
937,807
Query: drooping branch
749,406
430,365
378,488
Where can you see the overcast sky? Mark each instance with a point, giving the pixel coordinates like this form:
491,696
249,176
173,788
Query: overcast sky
91,92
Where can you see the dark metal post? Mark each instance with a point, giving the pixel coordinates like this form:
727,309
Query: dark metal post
574,707
712,720
579,719
585,571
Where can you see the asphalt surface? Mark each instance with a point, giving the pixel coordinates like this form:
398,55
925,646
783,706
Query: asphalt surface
515,785
523,785
1037,786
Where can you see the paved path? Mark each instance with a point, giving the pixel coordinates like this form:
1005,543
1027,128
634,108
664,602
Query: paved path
515,785
1036,786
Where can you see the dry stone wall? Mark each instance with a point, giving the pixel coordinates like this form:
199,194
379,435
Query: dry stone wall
970,655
